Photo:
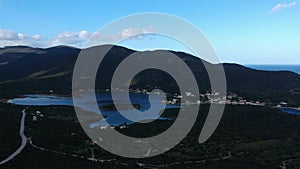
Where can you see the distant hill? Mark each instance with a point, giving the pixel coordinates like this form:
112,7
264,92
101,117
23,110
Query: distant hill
27,70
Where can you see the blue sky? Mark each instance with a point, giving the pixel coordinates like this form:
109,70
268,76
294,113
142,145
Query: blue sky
246,32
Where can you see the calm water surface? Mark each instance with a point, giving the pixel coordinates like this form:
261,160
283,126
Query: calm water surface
114,118
290,111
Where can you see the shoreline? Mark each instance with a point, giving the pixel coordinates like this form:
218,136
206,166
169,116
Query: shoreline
292,108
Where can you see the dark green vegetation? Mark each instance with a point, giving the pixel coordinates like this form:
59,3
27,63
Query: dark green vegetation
255,137
35,70
10,118
248,136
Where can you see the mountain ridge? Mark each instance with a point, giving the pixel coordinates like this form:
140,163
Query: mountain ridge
28,69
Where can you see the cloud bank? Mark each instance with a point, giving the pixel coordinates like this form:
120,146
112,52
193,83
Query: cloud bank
76,39
11,38
282,6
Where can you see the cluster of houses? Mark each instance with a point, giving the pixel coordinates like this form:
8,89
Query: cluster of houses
214,98
282,104
36,115
208,97
124,126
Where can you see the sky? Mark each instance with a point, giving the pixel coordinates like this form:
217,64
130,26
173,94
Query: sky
244,32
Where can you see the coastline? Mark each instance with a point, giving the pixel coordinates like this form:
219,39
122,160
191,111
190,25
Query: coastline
292,108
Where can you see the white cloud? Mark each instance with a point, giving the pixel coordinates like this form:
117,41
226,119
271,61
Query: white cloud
77,39
8,35
282,6
11,38
71,38
36,37
129,33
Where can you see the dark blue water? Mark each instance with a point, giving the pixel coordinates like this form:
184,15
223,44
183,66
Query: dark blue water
292,68
114,118
290,111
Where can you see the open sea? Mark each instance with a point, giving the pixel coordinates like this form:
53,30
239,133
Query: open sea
293,68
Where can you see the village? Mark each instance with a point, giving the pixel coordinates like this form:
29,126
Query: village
188,98
207,98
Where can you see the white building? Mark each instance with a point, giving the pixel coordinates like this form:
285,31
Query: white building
34,118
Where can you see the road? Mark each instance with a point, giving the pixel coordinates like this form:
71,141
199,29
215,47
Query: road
23,137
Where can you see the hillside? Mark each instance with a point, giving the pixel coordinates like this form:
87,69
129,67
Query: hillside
27,70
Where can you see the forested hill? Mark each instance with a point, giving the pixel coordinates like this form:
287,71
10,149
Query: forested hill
26,70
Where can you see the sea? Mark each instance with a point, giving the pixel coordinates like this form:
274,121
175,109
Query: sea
292,68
